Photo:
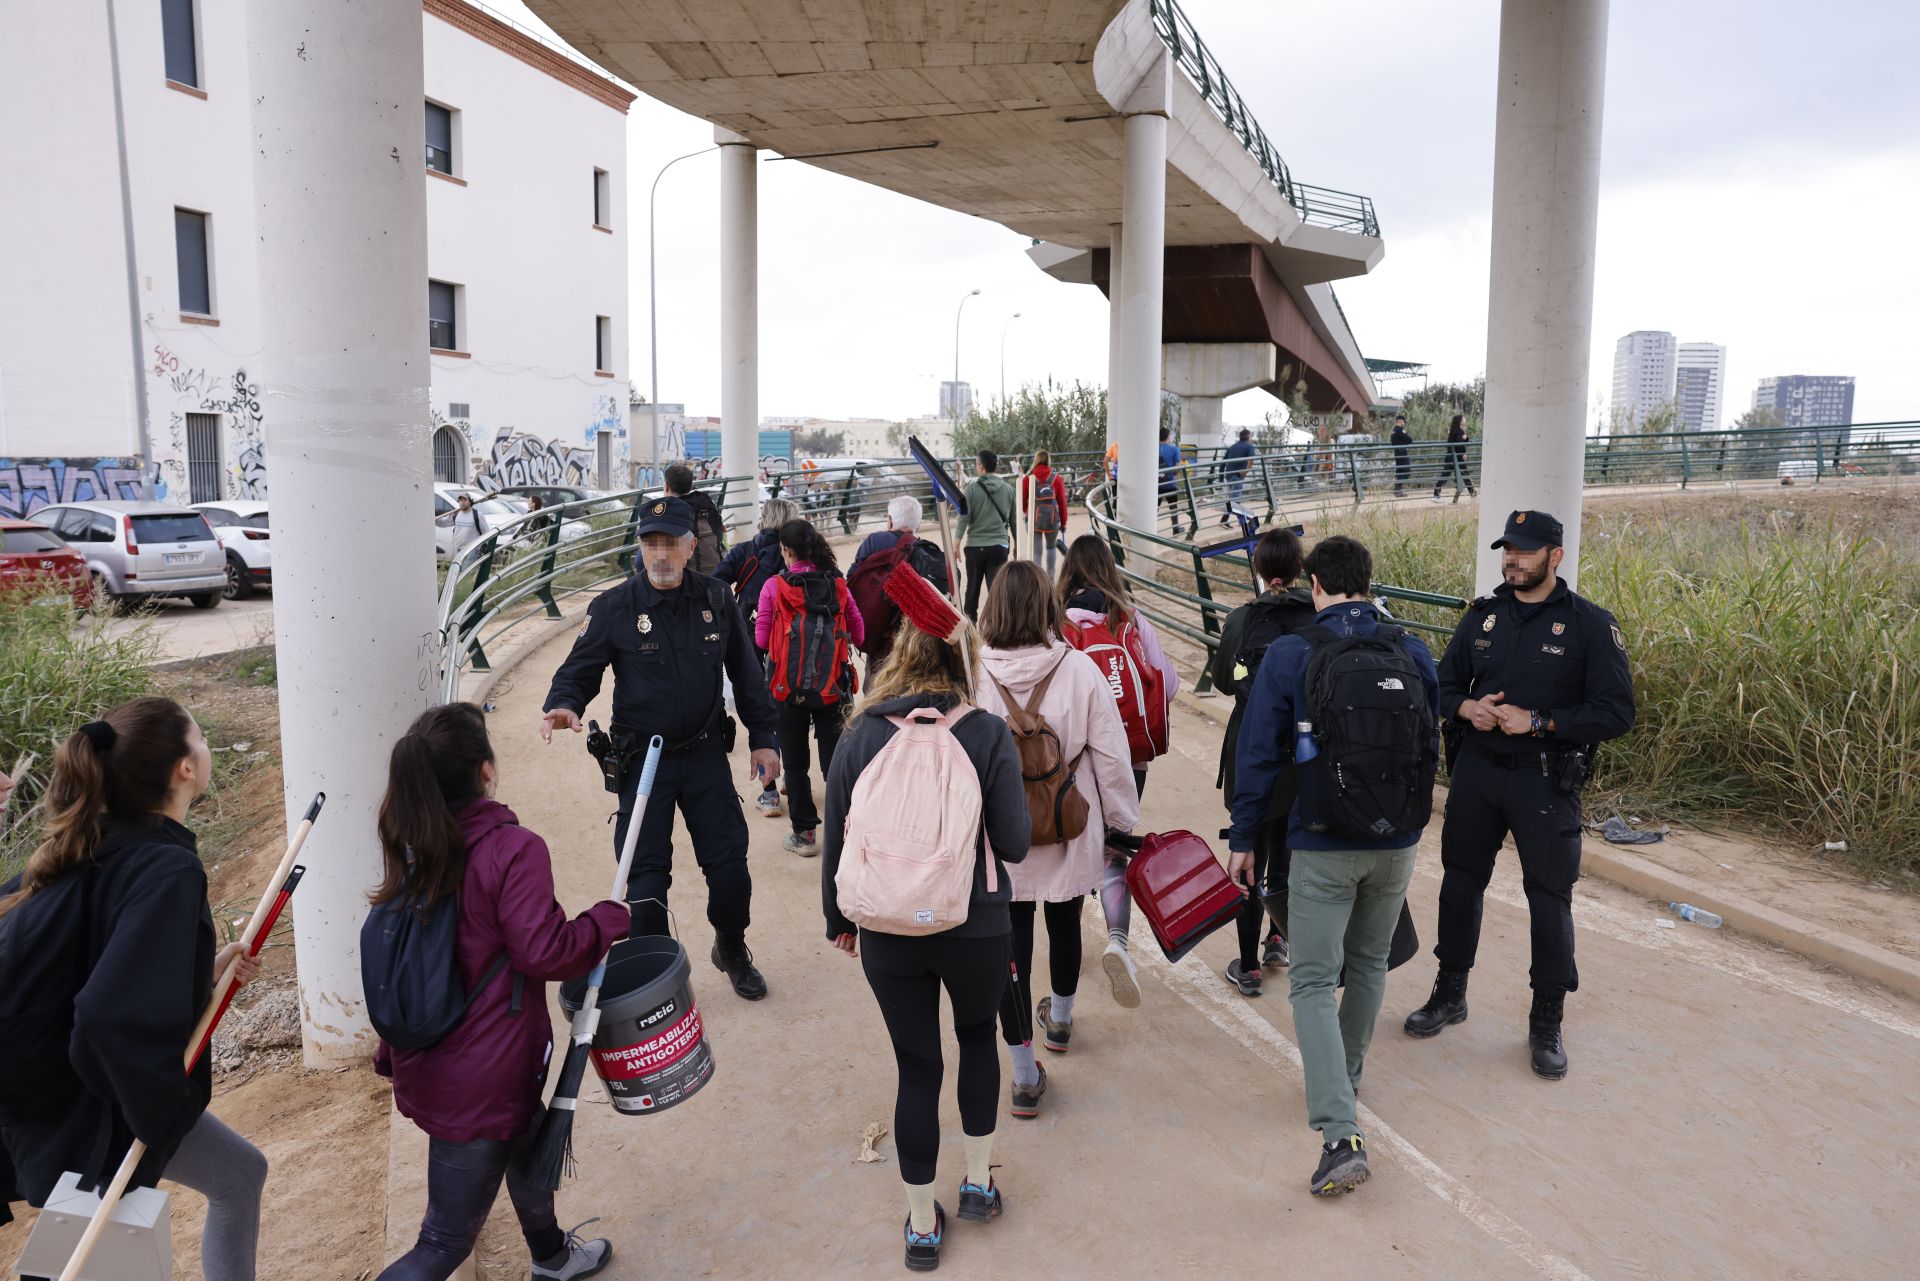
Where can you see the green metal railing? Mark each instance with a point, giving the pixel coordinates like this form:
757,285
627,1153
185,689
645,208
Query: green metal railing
1321,206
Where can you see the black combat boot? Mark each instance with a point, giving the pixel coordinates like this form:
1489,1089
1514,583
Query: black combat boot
731,957
1543,1035
1447,1005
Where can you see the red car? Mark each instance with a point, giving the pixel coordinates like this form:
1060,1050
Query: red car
29,551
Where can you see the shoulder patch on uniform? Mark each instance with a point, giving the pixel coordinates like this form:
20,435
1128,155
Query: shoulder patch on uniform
1620,642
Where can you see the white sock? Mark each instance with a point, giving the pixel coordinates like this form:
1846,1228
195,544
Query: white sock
1062,1008
920,1211
979,1164
1025,1070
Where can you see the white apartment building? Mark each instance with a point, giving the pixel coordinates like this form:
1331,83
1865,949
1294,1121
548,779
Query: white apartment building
1699,386
1807,400
522,151
1643,376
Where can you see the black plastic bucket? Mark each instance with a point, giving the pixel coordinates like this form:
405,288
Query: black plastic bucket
651,1049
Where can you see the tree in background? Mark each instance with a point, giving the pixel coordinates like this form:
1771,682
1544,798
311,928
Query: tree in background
1040,416
1430,409
897,439
819,444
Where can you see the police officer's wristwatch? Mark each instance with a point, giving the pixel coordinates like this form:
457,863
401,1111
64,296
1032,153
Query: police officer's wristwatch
1542,722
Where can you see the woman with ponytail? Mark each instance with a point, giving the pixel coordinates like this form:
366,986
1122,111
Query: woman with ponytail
810,692
476,1092
107,960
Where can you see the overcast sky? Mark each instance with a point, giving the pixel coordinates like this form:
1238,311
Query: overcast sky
1760,189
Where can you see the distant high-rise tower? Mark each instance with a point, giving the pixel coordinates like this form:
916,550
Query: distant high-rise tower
1807,400
1700,379
1643,368
956,400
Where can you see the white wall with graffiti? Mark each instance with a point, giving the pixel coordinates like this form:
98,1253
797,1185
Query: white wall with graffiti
536,242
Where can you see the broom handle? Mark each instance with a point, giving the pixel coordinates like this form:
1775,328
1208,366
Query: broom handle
269,899
584,1019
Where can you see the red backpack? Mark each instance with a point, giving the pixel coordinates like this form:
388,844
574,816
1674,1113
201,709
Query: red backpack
868,584
1137,685
807,648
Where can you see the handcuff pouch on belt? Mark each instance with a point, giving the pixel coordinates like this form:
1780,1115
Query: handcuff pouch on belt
1573,769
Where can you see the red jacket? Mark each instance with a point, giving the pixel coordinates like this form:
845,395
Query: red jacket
1043,475
484,1081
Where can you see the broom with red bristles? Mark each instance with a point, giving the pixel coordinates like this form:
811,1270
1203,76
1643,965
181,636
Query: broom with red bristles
551,1157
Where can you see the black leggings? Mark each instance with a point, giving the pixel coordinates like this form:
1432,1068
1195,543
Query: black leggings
462,1181
796,755
1063,963
1271,862
906,975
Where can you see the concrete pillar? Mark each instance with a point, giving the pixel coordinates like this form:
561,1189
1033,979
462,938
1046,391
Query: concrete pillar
1143,211
1200,419
1115,239
1202,374
342,216
1546,193
739,319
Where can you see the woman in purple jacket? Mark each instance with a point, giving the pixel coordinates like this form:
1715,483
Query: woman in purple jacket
477,1091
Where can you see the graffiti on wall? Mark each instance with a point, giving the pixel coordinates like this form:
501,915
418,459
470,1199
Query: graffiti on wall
237,400
520,458
28,484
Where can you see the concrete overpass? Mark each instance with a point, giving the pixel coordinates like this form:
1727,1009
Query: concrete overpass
1104,129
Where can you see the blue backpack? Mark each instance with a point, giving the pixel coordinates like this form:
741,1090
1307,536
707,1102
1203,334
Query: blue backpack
410,969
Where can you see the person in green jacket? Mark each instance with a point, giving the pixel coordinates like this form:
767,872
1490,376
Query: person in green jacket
986,531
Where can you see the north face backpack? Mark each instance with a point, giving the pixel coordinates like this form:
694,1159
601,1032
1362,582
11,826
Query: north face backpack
906,866
1375,731
1046,508
410,968
1138,687
1055,806
807,647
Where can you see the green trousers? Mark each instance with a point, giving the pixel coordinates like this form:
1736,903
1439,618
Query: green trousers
1342,906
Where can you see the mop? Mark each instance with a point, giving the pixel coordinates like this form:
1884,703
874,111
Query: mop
150,1222
551,1156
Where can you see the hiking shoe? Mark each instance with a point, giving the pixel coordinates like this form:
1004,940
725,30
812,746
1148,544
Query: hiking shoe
978,1204
1057,1033
1276,956
803,844
1122,974
1247,980
1435,498
1549,1052
923,1249
1343,1167
733,958
582,1258
769,804
1447,1005
1026,1098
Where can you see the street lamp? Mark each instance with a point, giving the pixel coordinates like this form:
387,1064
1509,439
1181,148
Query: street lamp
972,293
653,304
1003,358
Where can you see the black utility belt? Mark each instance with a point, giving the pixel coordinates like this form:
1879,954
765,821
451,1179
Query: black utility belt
1568,765
631,743
1542,759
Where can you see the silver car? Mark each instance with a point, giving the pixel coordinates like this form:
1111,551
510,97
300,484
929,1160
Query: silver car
143,550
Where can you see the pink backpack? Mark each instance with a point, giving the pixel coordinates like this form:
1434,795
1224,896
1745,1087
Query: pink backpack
907,863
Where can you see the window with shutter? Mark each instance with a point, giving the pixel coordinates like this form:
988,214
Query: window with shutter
190,257
442,329
439,138
178,42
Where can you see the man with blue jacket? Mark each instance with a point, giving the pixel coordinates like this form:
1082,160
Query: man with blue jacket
1344,891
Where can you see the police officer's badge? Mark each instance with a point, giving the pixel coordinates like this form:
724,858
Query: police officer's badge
1559,629
645,624
706,615
660,508
1491,620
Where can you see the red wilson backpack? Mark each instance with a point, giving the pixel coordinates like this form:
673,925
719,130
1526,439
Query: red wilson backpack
1137,685
807,648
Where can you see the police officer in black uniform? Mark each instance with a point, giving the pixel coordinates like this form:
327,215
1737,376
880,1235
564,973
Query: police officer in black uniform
667,632
1534,677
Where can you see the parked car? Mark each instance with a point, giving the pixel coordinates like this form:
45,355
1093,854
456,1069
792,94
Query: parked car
31,552
241,527
1793,469
557,495
496,511
143,550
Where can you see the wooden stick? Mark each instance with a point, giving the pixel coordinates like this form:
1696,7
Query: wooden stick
118,1187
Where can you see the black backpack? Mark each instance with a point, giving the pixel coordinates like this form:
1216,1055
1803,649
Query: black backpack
1375,731
45,957
410,969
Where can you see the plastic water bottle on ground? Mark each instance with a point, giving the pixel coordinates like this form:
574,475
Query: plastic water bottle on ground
1698,915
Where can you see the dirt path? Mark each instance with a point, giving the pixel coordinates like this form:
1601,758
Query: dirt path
1729,1104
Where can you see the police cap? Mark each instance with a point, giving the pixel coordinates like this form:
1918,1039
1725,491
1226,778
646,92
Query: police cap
666,516
1529,532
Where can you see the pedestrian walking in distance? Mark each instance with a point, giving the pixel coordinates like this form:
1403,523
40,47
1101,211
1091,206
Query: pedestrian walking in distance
1456,461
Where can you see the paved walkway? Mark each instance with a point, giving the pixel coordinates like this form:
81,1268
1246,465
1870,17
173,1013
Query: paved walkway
1732,1110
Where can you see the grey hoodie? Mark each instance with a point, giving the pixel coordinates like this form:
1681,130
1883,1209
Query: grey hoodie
990,501
1003,815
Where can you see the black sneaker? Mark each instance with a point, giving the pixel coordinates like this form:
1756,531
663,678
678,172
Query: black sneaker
1247,980
733,958
923,1249
1276,955
978,1204
1026,1098
1343,1167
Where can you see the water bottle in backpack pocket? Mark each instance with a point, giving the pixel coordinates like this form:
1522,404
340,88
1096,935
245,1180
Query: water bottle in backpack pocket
1373,725
410,968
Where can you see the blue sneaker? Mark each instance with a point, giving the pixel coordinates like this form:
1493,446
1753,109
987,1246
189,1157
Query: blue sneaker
923,1249
978,1204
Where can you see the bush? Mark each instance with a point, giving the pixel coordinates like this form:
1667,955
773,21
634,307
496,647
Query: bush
54,677
1774,666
